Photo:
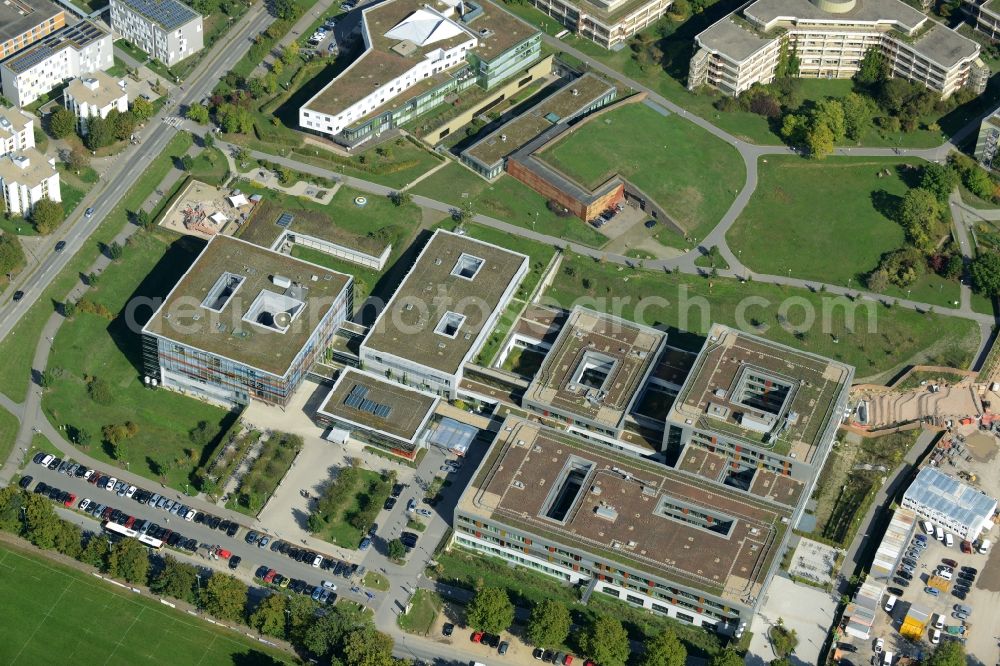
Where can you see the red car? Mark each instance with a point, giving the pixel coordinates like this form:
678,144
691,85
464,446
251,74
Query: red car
94,477
950,563
966,547
568,661
269,576
70,500
130,522
477,637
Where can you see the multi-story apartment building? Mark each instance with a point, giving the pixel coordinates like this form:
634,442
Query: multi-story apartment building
244,322
985,15
167,30
74,51
17,131
414,56
594,373
621,525
986,142
955,506
27,177
95,96
608,23
24,22
830,38
442,312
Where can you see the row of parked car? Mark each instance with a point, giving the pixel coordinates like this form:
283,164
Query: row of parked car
323,594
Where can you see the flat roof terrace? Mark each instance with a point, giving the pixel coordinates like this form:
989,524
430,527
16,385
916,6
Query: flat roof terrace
636,512
263,229
596,366
439,310
562,104
761,392
375,404
885,12
229,304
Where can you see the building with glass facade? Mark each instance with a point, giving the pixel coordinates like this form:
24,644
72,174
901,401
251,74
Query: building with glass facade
244,322
416,56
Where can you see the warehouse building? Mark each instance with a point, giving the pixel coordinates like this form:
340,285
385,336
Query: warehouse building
830,38
442,312
623,526
244,322
417,55
955,506
168,30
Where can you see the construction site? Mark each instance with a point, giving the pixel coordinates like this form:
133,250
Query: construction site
203,210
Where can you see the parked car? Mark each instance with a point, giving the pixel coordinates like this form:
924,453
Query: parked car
365,544
933,591
25,481
390,502
950,563
502,648
476,637
538,653
447,629
397,490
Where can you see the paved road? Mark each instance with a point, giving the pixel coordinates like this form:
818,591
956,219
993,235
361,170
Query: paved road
127,168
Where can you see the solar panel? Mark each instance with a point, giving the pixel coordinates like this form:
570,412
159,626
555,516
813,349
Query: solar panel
285,220
383,411
169,14
353,401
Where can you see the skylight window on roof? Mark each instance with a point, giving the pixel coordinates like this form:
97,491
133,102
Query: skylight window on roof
273,311
223,291
450,324
467,266
594,370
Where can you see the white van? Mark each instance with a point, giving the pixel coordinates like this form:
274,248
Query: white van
887,658
948,540
984,546
928,527
890,603
943,573
938,533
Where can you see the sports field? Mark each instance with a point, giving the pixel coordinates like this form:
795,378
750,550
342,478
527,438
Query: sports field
54,615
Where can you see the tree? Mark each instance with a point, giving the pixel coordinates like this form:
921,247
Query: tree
940,180
858,113
77,159
286,10
780,661
326,634
46,216
11,254
224,597
290,53
142,109
396,550
11,502
368,647
208,141
728,657
41,525
491,610
198,113
100,132
176,579
830,112
549,623
269,617
62,123
95,551
819,140
606,642
201,434
985,271
142,219
99,391
123,124
948,653
68,539
872,69
919,215
783,639
129,560
187,162
400,198
665,649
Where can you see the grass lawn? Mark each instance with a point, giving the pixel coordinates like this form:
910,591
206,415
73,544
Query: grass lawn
210,166
268,468
819,218
880,340
508,200
914,379
524,362
18,347
71,197
692,174
59,615
8,432
376,581
339,530
90,345
424,608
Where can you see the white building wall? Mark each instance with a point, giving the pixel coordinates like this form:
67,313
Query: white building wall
20,197
23,88
167,47
19,140
85,110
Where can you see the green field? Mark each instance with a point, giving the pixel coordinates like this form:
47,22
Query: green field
339,531
364,278
692,174
210,166
424,610
91,345
8,432
56,615
827,221
881,340
17,349
506,199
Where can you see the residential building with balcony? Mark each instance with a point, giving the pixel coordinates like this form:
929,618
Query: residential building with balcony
415,57
829,39
608,23
27,177
168,30
66,54
24,22
244,322
95,96
986,142
985,16
17,131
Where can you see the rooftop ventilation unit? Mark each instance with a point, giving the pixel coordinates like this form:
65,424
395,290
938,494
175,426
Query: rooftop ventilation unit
517,484
281,281
575,92
606,512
